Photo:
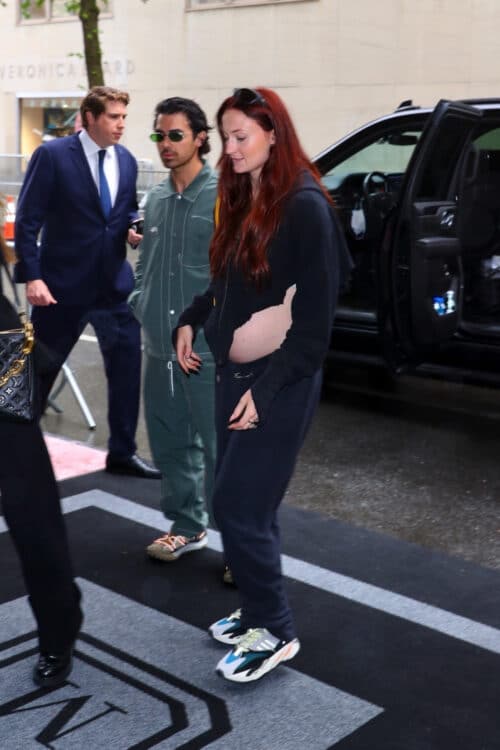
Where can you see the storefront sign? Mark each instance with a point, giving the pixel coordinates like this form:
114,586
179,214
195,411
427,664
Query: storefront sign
115,70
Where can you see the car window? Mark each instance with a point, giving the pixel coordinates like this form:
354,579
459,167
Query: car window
363,200
482,162
489,141
435,181
389,154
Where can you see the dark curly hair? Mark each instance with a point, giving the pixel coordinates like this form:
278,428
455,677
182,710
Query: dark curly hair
194,114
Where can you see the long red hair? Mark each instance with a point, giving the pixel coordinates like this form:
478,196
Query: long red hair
245,227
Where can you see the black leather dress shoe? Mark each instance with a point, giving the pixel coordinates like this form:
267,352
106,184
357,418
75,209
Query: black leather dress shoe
133,466
52,670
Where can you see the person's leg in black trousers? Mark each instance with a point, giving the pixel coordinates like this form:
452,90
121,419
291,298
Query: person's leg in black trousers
119,336
254,468
58,327
30,503
118,332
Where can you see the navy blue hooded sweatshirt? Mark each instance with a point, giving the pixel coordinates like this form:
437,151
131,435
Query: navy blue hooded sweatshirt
308,250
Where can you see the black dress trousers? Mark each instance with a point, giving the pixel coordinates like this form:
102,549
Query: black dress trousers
30,503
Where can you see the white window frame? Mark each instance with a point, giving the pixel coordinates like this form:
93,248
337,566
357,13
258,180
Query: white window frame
47,17
191,5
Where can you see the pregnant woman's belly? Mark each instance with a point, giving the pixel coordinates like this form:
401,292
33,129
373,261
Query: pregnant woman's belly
263,332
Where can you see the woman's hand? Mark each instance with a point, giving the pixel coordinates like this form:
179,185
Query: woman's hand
245,416
188,360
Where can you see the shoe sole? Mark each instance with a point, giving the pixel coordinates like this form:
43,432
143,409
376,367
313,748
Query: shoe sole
225,639
158,553
284,654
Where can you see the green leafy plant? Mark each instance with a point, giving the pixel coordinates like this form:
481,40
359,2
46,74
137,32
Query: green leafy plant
88,13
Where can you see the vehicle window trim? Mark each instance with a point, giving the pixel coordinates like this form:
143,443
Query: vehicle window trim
366,137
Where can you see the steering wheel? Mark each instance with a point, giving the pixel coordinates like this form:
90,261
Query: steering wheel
378,201
375,183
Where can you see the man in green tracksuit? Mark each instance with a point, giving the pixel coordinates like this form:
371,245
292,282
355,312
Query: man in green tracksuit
171,268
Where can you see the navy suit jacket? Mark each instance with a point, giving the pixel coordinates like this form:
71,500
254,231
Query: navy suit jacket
82,255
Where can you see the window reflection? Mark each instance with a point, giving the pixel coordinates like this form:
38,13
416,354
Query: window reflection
30,11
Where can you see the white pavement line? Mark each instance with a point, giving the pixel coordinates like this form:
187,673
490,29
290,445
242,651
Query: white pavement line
412,610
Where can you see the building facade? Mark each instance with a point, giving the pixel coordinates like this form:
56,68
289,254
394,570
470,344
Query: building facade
337,63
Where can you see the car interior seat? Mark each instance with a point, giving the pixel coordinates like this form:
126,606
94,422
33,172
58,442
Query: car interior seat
479,232
479,218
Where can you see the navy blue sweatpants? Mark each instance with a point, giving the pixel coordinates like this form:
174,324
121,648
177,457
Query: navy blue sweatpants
254,468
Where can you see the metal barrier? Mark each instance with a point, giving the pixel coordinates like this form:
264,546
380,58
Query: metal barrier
12,169
147,177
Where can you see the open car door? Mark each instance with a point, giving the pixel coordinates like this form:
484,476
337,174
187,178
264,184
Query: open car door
421,271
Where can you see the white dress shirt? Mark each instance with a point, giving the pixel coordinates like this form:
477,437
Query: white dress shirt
111,169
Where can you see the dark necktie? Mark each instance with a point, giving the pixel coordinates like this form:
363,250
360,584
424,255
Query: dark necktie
104,193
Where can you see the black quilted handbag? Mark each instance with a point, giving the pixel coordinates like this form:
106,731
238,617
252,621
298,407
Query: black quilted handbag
17,383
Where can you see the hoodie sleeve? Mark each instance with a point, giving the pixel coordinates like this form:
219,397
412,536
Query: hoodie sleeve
196,314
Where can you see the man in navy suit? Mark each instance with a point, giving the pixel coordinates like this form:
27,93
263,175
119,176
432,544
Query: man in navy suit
80,192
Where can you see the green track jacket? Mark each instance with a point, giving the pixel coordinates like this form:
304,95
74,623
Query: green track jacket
173,260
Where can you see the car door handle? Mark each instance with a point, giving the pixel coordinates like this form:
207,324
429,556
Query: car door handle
447,219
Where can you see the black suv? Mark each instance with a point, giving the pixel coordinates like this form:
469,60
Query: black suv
418,195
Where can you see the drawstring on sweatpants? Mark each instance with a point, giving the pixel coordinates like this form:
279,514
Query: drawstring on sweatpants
170,367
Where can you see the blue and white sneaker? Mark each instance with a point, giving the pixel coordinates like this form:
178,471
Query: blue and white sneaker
228,630
255,654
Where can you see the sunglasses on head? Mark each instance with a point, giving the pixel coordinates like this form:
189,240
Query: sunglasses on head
174,135
247,97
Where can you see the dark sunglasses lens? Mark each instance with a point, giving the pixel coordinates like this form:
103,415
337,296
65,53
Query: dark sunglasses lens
175,135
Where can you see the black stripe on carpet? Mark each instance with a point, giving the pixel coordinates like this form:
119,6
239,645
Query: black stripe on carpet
436,691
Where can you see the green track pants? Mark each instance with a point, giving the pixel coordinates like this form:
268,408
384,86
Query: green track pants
180,420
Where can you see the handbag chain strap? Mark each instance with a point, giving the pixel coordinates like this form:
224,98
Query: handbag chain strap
18,364
29,334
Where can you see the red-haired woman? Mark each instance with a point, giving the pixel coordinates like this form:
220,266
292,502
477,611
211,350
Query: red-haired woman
277,259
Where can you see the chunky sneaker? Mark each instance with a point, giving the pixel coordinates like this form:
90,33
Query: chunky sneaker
228,630
255,654
172,546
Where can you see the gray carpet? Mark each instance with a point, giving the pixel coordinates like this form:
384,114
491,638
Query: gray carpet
378,668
